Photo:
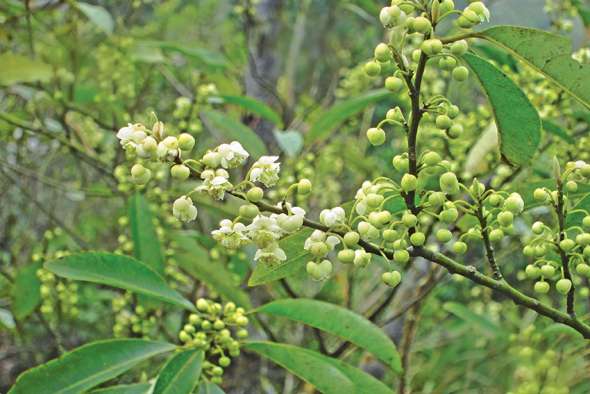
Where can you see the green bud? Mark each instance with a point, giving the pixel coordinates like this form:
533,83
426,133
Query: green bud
409,183
443,235
449,183
460,247
542,287
255,194
382,53
351,238
376,136
460,73
304,186
563,286
401,256
186,142
180,172
394,84
249,211
417,239
372,69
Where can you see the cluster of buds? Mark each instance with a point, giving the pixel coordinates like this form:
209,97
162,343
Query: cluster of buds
553,247
130,319
217,330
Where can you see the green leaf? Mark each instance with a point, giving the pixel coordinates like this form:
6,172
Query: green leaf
328,375
556,130
87,366
341,111
181,373
98,15
518,122
16,69
209,388
575,218
547,53
254,106
194,259
342,323
297,257
118,271
137,388
583,11
26,294
146,244
290,141
471,317
201,55
231,129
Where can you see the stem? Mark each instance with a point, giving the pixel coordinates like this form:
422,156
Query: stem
485,233
560,210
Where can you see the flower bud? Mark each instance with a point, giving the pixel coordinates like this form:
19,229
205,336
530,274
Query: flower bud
180,172
186,142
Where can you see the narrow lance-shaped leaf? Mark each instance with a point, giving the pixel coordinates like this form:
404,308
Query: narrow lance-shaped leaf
548,53
181,373
98,15
137,388
146,244
327,374
232,129
16,69
254,106
117,271
341,111
87,366
26,294
338,321
518,123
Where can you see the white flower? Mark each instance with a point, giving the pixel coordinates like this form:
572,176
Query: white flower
265,170
215,183
132,135
184,210
332,217
272,254
232,155
168,148
320,237
264,231
231,235
292,222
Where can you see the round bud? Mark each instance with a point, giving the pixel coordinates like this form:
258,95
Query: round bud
496,235
382,53
431,158
391,279
409,183
248,211
505,218
374,200
460,247
567,244
319,249
436,199
443,122
547,270
395,114
532,271
541,287
455,131
421,25
304,186
401,256
186,142
351,238
460,73
211,159
446,6
180,172
459,48
224,361
400,163
202,305
394,84
390,235
583,269
540,195
346,256
255,194
376,136
586,222
449,215
563,286
432,46
571,186
443,235
325,268
453,111
372,69
449,183
140,174
417,239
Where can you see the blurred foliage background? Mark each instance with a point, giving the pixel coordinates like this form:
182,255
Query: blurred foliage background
72,73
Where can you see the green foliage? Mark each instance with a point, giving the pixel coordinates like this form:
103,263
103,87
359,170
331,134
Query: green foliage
181,373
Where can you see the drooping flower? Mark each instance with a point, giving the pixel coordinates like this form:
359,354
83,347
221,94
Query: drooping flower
231,235
215,183
132,135
264,231
232,155
332,217
270,255
184,210
266,171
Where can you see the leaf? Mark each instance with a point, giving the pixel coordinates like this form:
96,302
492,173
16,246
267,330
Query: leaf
180,374
518,123
26,294
342,323
469,316
583,11
547,53
341,111
209,388
254,106
137,388
296,259
99,16
234,130
16,69
290,141
328,375
487,142
194,259
556,130
575,218
146,244
87,366
202,55
118,271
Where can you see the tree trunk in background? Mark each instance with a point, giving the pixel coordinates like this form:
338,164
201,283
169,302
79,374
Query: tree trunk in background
264,66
